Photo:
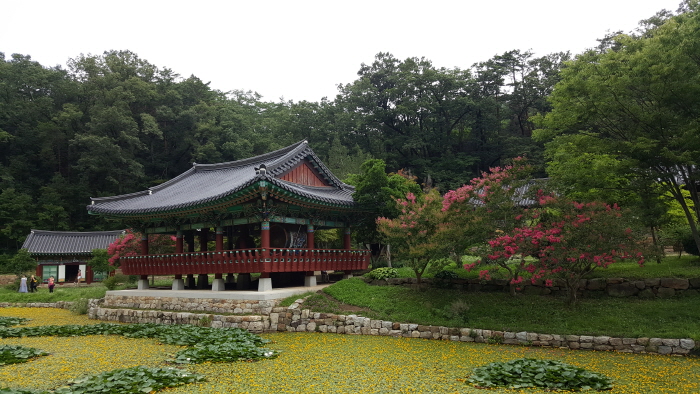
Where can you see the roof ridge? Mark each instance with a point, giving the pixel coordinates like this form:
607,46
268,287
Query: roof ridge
283,152
35,231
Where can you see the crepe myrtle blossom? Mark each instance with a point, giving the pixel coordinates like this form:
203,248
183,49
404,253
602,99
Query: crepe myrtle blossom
129,244
565,240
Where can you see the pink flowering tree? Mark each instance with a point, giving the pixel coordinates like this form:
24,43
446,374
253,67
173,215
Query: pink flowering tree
566,240
487,206
129,244
415,235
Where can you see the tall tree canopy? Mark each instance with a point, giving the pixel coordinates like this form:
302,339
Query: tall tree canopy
637,102
114,123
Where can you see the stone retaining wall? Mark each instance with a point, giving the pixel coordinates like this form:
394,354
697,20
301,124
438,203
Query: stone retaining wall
295,319
7,279
614,287
190,304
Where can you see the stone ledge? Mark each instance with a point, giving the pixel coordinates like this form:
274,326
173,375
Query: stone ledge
293,319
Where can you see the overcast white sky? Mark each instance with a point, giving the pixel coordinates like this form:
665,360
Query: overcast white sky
301,50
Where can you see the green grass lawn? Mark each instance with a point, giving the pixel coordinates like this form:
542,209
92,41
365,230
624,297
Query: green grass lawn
685,266
330,363
671,266
621,317
60,293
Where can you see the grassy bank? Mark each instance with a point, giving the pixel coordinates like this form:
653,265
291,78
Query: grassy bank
671,266
59,294
622,317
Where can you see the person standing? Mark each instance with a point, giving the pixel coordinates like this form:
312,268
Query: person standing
23,284
52,283
32,284
78,277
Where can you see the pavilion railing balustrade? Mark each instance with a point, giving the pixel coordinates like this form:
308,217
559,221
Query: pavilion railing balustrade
246,261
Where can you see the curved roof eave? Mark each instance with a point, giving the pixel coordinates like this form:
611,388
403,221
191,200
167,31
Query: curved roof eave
226,181
303,191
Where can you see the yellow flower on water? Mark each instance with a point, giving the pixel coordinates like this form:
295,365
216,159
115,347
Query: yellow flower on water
322,363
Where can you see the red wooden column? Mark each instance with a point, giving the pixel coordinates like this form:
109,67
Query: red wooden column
310,236
179,242
179,248
219,238
88,274
265,235
144,244
310,245
189,237
347,245
143,282
219,247
218,284
202,277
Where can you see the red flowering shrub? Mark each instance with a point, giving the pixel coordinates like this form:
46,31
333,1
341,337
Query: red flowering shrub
129,244
566,241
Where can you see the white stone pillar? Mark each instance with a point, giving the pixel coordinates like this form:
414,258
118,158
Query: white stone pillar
218,285
143,284
178,284
310,281
264,284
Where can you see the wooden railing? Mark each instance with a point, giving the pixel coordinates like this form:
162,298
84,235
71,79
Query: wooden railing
246,261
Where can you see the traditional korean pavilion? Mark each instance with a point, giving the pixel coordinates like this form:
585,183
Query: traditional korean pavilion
263,212
62,254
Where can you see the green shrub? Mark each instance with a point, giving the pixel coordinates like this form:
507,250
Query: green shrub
14,286
80,306
529,372
112,282
689,245
443,279
382,273
204,321
446,275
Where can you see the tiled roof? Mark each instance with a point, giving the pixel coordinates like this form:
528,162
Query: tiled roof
68,242
204,183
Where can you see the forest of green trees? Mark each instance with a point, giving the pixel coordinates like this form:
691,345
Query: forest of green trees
115,123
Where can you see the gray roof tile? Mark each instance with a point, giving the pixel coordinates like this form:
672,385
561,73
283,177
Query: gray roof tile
210,182
68,242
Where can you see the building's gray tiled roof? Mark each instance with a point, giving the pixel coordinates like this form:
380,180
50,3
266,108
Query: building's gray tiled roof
204,183
68,242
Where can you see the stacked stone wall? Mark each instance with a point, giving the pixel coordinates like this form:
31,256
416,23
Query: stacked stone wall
613,287
295,319
263,307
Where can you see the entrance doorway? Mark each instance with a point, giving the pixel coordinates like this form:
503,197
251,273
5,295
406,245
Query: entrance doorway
71,273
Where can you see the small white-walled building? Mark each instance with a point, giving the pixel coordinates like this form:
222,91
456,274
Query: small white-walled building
62,253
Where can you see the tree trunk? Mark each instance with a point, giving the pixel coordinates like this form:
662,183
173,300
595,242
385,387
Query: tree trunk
572,287
658,247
